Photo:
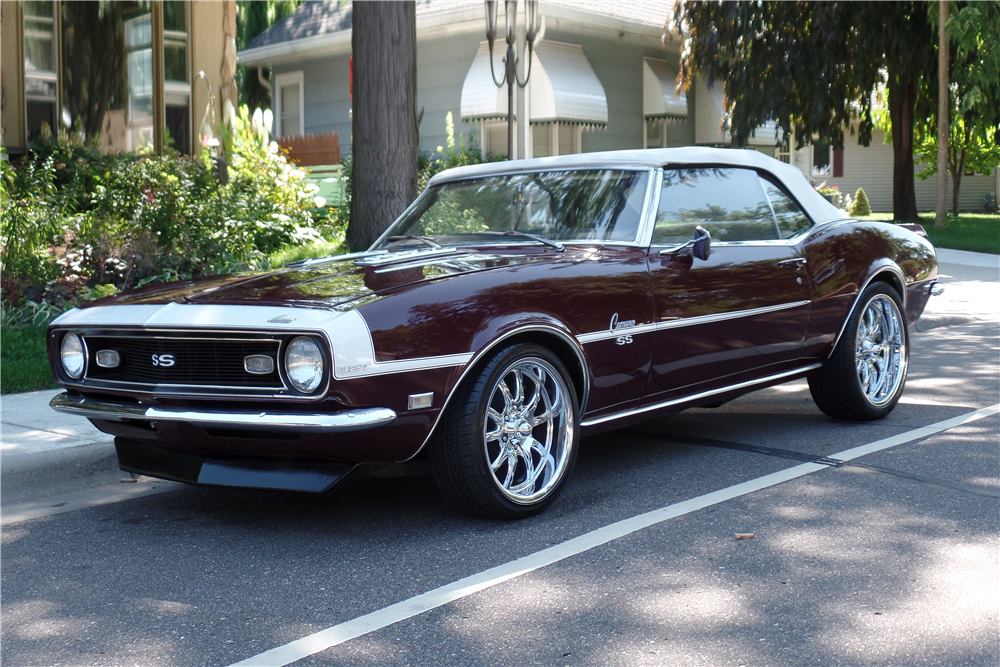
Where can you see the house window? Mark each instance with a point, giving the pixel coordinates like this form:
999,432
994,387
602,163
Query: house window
88,70
656,133
549,139
290,116
40,78
176,88
821,162
139,67
494,133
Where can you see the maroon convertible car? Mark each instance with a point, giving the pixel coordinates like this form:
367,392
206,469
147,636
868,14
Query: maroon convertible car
511,309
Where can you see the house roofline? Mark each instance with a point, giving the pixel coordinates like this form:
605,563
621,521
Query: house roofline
441,24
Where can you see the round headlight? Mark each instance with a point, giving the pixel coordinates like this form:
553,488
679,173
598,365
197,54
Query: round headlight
74,358
304,364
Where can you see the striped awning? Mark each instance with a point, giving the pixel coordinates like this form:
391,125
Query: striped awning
658,97
563,87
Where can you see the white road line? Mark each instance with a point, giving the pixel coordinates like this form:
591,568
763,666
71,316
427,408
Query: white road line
376,620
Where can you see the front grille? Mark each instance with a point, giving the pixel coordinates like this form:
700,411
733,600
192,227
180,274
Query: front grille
189,361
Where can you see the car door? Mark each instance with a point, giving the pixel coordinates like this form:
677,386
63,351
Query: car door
742,312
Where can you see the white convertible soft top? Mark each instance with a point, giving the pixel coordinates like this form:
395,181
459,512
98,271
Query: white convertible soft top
818,208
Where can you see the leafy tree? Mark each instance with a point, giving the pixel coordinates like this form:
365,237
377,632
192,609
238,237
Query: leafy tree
384,146
974,100
253,18
815,67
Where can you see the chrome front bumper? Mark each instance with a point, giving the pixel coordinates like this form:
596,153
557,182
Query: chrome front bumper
296,422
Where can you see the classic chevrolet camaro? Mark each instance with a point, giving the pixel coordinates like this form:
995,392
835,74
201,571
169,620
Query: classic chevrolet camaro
511,309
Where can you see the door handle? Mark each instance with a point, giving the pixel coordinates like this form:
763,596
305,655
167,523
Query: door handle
796,262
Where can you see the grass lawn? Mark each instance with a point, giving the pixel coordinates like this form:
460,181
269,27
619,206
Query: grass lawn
24,365
978,232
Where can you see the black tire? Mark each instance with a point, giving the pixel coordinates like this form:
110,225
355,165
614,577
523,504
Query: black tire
533,449
864,377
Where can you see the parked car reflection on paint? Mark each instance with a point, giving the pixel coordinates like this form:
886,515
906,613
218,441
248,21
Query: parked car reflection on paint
513,308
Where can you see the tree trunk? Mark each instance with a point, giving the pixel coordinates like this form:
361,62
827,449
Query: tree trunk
942,116
384,145
902,101
959,171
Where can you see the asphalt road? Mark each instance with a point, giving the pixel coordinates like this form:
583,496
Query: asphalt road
891,558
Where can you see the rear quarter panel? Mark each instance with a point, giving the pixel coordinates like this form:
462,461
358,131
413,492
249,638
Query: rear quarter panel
843,256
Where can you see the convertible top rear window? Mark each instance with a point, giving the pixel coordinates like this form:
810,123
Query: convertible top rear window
576,205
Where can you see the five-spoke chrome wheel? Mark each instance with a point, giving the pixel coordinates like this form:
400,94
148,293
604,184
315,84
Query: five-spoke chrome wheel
880,350
528,431
508,439
864,376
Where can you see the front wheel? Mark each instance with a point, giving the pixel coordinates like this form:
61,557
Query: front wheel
509,438
864,377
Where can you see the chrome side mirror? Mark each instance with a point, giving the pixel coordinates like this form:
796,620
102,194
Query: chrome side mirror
701,243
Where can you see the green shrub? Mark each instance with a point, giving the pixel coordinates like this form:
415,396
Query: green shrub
31,209
455,154
860,205
74,217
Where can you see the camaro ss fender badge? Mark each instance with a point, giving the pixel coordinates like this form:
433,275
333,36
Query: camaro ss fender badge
353,369
163,360
618,325
281,319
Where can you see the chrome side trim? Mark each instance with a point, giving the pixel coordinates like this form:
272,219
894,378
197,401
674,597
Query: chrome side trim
857,300
296,422
685,322
608,334
935,288
719,317
695,397
574,345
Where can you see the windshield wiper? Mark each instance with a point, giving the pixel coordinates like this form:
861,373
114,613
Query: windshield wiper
423,239
534,237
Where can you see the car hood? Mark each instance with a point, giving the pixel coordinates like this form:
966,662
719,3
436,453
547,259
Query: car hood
339,283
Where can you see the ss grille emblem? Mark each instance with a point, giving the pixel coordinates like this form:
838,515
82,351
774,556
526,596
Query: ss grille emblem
163,360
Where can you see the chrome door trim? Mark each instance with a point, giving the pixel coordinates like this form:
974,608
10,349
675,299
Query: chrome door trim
719,317
694,397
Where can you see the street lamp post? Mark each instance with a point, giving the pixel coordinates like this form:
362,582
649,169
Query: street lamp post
510,60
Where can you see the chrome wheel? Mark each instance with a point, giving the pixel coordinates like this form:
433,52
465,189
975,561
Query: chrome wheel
880,350
863,377
528,432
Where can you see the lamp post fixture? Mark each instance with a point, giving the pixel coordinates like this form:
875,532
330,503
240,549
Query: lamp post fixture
510,60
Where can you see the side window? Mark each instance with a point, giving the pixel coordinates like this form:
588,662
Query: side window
790,217
728,202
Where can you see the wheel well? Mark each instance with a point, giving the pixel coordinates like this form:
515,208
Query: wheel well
894,281
558,346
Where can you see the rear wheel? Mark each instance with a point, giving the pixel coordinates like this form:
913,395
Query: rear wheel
864,377
508,441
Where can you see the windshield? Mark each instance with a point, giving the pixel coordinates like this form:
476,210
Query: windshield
579,205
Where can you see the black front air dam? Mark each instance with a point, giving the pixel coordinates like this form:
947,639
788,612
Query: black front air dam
313,476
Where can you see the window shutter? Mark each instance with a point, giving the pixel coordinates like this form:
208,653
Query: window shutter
838,162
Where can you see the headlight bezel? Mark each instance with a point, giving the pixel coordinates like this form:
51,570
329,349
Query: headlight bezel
83,353
321,380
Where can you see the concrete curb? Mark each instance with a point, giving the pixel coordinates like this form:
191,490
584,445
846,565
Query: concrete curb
43,474
926,323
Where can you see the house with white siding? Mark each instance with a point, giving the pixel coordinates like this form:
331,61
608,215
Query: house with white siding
602,78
